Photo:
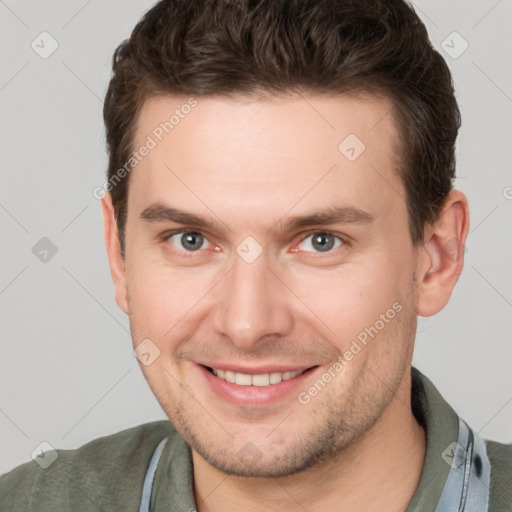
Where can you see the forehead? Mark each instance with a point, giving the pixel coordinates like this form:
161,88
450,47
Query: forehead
273,152
317,120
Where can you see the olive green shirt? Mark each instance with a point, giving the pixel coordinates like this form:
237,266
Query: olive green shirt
107,474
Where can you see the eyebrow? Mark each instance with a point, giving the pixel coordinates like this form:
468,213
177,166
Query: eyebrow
159,212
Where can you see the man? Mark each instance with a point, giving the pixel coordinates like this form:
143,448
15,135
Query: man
279,209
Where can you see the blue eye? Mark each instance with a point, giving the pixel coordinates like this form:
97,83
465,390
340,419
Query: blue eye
321,241
189,241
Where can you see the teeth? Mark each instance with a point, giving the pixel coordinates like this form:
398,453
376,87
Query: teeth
243,379
276,378
261,380
265,379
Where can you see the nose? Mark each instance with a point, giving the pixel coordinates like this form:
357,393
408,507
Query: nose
251,304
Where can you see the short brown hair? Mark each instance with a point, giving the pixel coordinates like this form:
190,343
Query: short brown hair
229,47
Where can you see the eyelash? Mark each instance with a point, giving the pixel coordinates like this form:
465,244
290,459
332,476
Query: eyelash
168,234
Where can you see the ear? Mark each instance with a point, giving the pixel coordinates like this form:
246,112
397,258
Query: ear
113,246
442,255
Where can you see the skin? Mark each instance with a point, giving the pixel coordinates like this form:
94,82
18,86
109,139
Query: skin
247,164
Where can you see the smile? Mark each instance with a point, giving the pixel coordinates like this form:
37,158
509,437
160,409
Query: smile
264,379
255,387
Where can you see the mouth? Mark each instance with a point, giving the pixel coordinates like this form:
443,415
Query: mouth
256,387
246,379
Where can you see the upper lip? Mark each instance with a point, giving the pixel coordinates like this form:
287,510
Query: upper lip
257,370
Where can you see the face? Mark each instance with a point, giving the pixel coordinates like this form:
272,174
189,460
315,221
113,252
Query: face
270,266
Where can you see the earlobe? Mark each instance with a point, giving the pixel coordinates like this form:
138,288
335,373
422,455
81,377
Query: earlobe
443,255
112,244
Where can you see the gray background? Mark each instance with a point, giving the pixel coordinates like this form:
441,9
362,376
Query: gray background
67,370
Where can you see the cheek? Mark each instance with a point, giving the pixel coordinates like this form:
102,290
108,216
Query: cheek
162,299
346,301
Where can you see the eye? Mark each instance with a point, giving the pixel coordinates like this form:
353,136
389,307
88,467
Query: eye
190,241
320,241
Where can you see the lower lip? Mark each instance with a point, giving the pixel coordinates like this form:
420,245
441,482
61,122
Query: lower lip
255,396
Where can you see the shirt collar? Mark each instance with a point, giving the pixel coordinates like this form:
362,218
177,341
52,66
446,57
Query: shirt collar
441,425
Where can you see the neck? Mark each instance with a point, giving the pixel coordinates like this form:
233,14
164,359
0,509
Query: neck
379,471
